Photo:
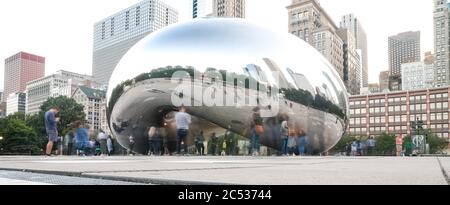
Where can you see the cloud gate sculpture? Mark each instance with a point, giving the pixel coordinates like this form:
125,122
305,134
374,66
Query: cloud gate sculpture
222,71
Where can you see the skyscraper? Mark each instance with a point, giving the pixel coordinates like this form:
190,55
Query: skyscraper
115,35
309,21
202,8
354,25
352,62
229,8
20,69
441,42
403,48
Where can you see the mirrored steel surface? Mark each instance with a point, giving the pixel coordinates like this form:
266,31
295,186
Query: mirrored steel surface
303,85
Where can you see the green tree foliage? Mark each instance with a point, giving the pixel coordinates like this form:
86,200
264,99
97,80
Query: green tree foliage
70,112
318,102
436,143
17,116
18,138
342,144
385,145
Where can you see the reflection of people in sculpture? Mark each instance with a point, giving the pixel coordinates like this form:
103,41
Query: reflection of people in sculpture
182,120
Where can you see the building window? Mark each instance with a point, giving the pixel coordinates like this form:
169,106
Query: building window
103,30
127,20
138,16
112,26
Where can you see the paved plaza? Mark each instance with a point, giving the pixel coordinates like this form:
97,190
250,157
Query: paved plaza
194,170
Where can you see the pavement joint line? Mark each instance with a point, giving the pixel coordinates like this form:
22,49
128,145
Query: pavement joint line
150,181
444,172
176,170
92,175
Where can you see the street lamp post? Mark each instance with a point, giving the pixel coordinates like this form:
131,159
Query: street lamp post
418,140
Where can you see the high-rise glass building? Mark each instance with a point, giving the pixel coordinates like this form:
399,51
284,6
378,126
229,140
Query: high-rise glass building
202,8
441,42
354,25
403,48
116,34
20,69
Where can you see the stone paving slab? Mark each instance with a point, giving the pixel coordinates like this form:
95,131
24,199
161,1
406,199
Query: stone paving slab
26,178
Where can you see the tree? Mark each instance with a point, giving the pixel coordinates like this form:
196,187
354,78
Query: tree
70,112
385,145
17,116
342,144
436,143
18,138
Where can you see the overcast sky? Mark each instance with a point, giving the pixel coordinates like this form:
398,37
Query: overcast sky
62,30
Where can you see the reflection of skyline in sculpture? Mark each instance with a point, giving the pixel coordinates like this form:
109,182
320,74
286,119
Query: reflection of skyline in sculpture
142,92
301,81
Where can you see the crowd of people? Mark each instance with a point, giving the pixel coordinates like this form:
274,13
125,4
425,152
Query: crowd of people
83,141
361,148
80,139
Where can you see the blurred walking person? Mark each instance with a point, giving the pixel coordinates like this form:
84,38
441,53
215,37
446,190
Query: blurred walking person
284,130
399,145
81,139
131,143
301,143
199,143
109,143
183,120
102,138
151,140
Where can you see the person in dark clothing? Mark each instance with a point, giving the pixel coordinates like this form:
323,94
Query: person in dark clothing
157,143
199,143
230,142
214,144
131,143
